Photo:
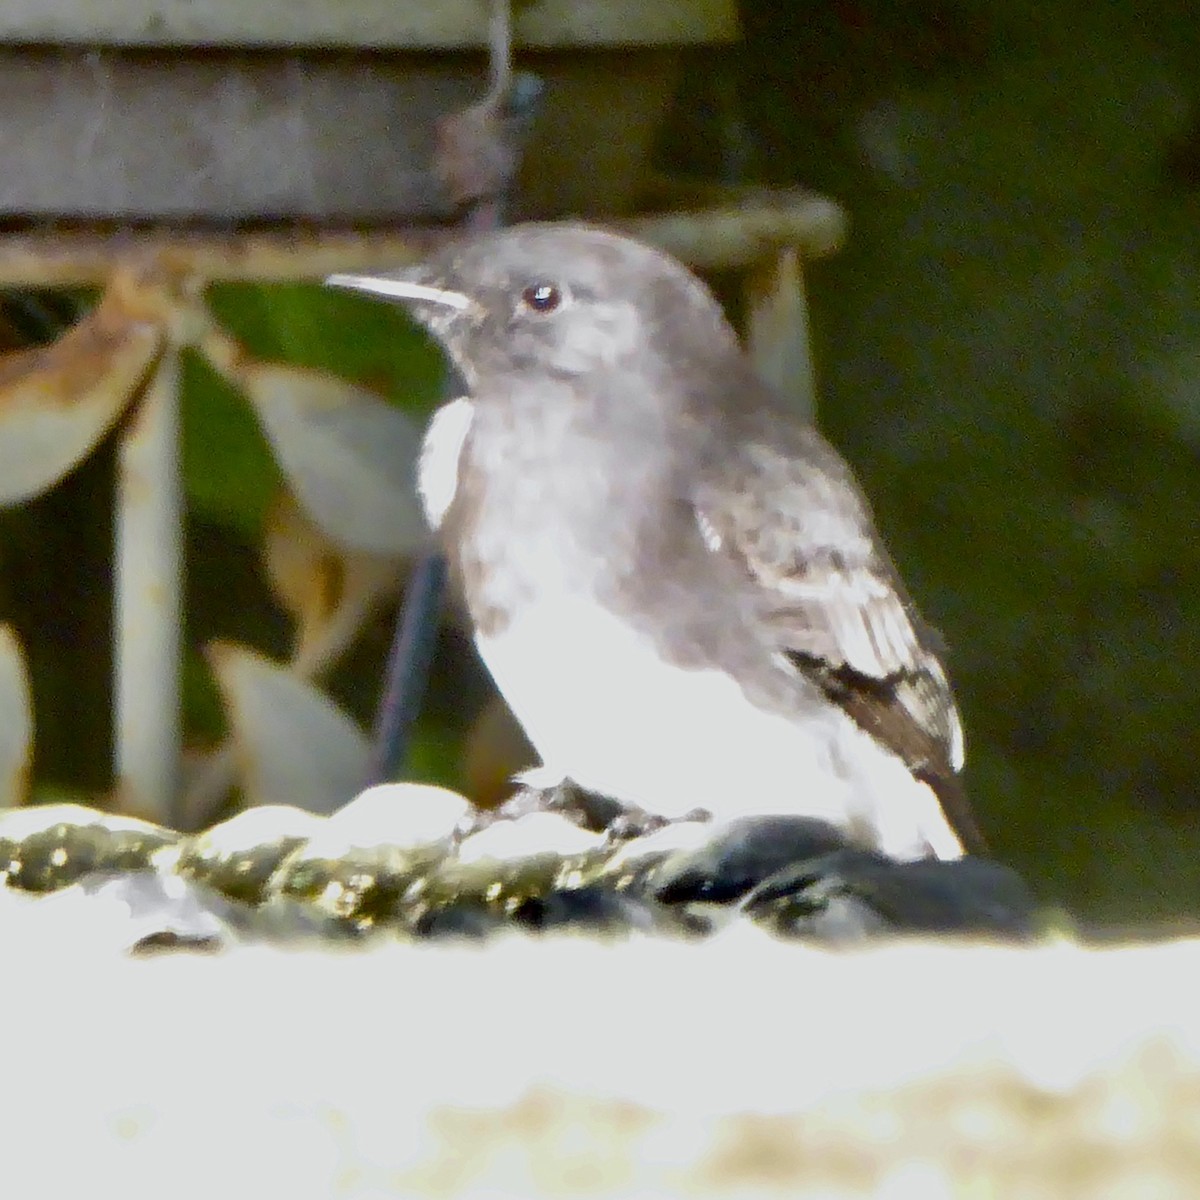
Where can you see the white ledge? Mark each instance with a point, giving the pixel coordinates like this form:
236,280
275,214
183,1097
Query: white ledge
526,1068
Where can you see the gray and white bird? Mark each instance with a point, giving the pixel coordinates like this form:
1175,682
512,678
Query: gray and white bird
676,584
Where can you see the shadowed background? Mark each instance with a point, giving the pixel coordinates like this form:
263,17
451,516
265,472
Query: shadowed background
1009,352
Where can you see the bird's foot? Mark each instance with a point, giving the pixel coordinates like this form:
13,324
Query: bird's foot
618,821
633,822
564,798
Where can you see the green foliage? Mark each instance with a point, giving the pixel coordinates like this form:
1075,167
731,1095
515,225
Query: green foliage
334,331
230,475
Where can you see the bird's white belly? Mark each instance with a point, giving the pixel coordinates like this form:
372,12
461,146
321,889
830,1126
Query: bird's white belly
605,710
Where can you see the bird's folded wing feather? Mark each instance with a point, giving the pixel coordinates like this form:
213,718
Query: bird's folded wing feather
795,522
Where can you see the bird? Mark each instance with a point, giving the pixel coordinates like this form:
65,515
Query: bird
674,580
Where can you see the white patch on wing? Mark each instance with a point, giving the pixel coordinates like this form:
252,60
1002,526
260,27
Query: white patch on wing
958,741
437,469
602,708
958,744
857,618
708,532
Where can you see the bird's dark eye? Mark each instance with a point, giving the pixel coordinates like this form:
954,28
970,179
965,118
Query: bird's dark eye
541,297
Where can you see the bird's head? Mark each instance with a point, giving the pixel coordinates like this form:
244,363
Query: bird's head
560,299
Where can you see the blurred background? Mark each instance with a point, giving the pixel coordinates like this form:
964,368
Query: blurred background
1008,352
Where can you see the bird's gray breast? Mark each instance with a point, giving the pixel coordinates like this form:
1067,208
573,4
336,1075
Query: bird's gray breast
562,494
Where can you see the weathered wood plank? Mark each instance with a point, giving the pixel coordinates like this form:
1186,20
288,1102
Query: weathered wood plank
380,24
239,135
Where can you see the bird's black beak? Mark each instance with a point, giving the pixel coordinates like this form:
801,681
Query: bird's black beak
408,285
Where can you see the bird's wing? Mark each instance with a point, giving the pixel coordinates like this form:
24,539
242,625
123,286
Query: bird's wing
795,522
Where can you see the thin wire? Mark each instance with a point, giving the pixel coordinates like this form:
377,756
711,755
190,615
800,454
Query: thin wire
410,659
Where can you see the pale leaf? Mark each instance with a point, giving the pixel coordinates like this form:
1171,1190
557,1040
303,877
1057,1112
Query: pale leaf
58,401
350,458
16,721
294,745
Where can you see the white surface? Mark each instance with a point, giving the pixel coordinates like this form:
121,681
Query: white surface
563,1068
